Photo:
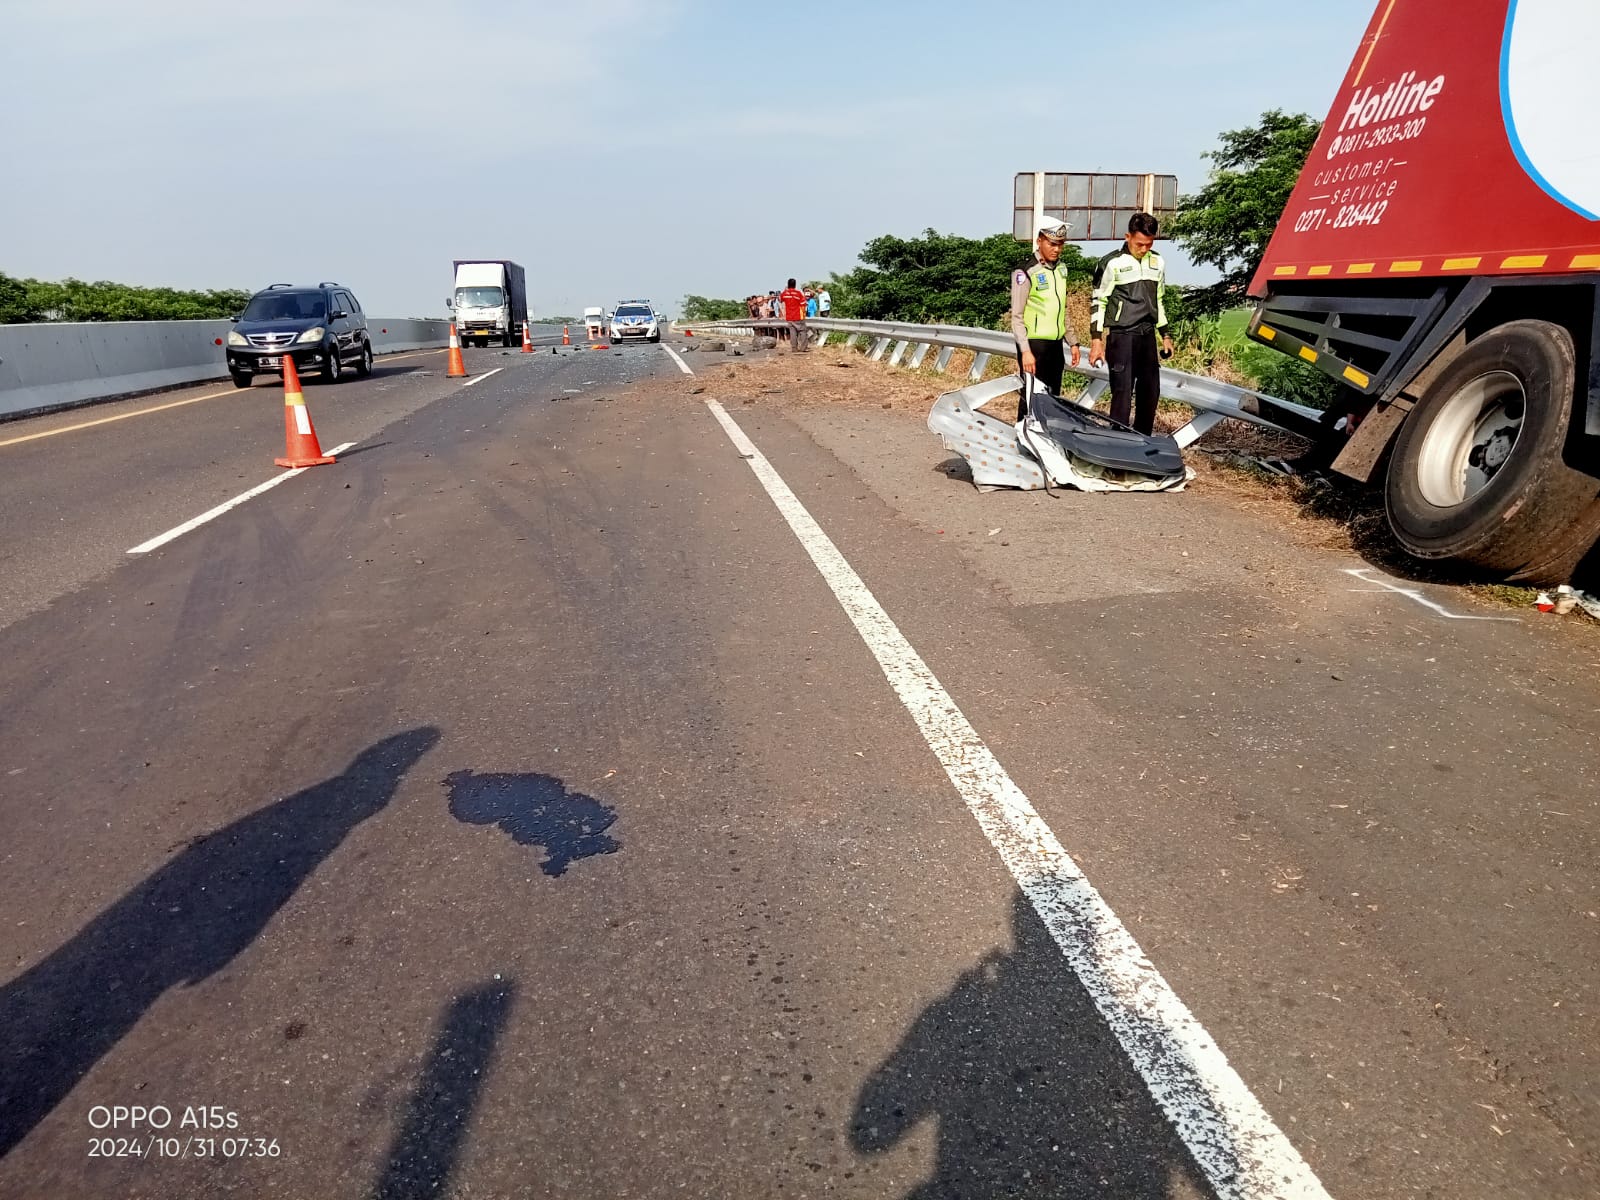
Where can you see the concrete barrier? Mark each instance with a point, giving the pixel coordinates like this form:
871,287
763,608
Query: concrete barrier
404,333
57,365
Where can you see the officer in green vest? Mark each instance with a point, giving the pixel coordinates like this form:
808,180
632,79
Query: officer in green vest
1039,310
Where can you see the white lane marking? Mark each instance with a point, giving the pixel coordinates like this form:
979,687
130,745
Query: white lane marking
1362,574
1234,1142
481,378
677,358
160,540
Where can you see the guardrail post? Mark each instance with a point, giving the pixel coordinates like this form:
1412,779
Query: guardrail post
878,347
942,363
920,354
852,339
980,364
1196,429
1093,390
899,353
822,337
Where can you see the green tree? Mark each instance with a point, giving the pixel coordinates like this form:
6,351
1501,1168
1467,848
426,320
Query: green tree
23,300
15,304
706,308
1228,223
939,278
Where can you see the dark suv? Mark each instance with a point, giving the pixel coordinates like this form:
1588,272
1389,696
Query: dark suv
322,328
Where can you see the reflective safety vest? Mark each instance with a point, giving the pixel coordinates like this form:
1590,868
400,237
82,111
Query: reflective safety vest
1045,315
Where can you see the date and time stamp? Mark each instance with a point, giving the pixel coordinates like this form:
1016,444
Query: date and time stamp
210,1132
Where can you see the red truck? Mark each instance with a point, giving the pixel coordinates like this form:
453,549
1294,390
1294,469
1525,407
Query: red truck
1440,256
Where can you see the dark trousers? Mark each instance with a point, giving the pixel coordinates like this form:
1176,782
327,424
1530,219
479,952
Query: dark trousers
1050,360
1135,377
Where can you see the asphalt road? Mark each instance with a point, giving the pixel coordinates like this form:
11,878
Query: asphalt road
511,809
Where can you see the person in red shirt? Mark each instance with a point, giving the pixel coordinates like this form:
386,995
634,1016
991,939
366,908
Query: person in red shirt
794,305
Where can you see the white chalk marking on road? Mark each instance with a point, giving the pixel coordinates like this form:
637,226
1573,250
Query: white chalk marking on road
481,378
1386,585
1234,1142
160,540
678,358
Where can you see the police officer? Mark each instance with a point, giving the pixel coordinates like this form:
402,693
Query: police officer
1039,310
1127,312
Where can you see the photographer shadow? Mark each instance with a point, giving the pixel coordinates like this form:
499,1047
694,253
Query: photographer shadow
181,925
422,1161
1030,1090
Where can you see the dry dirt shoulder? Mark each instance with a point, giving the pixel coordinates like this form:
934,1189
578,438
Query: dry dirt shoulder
1235,518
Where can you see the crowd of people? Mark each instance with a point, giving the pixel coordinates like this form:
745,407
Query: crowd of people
791,304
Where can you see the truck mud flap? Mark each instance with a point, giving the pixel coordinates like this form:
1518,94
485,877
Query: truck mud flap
1082,449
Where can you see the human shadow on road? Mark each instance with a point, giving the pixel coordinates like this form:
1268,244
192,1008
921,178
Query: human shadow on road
424,1153
1031,1093
181,925
535,810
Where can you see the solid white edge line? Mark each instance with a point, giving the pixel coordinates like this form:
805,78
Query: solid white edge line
481,378
160,540
1233,1140
677,358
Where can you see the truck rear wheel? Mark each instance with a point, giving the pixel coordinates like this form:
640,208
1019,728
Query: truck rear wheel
1477,475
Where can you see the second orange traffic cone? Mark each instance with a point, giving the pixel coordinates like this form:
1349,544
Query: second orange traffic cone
301,448
457,367
566,335
527,339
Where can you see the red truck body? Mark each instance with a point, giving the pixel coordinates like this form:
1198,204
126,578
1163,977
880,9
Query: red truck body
1440,257
1456,145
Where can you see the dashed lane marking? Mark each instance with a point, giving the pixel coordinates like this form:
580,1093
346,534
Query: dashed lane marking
678,358
481,378
155,408
160,540
1233,1140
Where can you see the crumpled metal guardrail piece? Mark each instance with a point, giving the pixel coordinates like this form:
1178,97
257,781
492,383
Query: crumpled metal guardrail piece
1212,399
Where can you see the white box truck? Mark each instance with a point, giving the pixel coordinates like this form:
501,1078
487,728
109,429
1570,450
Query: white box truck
490,302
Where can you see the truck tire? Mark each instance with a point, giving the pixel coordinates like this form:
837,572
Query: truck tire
1477,475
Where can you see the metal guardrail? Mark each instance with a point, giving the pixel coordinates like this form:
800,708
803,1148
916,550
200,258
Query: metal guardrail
908,343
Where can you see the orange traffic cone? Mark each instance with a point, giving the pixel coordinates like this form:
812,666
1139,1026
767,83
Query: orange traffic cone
301,448
566,335
457,367
527,339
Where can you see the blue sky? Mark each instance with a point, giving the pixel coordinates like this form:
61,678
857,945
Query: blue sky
655,148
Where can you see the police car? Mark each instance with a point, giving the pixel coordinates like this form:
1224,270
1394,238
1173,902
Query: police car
634,319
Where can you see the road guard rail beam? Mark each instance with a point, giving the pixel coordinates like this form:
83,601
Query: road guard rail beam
61,364
1211,399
